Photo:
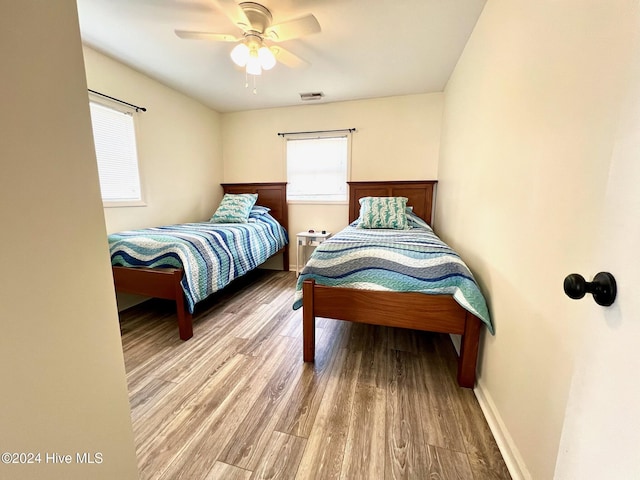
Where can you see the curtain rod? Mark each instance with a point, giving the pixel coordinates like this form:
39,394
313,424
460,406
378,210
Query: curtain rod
119,101
350,130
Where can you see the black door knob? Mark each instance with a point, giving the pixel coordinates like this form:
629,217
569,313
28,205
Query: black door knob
603,287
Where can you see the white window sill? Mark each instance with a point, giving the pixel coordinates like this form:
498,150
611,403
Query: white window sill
318,202
135,203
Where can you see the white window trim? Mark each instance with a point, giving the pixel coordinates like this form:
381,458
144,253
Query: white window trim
318,202
316,135
133,112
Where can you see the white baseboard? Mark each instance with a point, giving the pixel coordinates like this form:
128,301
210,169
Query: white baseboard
510,453
506,445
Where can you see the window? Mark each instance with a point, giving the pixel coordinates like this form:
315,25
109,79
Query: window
115,141
317,169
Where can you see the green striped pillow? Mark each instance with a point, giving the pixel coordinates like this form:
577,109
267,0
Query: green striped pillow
234,208
383,212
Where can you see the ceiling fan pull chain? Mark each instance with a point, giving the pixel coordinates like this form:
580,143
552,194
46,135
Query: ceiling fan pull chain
255,89
246,79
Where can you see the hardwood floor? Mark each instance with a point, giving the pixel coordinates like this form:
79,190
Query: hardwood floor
237,402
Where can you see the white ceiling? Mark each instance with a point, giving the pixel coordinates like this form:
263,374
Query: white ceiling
367,49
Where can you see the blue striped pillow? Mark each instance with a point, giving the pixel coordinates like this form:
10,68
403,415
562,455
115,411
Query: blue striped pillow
234,208
383,212
258,210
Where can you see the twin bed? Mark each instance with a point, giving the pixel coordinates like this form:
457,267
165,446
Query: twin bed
143,266
355,276
356,290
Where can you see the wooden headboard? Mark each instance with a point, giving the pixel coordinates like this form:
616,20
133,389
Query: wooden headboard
272,195
421,195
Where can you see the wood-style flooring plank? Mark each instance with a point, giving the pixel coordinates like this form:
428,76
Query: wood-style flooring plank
299,413
247,443
483,453
323,455
448,465
373,342
236,401
364,456
406,447
167,445
175,362
403,339
146,426
292,326
484,457
144,398
278,321
222,471
281,458
436,395
206,444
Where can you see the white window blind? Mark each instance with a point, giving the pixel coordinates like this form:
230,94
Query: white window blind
317,169
115,142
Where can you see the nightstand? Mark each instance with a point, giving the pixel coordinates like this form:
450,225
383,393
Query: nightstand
307,239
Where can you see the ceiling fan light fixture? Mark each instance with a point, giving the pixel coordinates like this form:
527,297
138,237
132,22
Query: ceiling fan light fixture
240,54
255,21
267,59
253,64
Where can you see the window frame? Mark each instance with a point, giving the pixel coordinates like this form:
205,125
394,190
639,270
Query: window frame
103,102
317,136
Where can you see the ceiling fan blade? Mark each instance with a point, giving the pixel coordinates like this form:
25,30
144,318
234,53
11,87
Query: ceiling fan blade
298,27
287,58
218,37
232,10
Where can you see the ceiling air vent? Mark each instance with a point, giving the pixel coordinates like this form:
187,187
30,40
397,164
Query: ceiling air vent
307,97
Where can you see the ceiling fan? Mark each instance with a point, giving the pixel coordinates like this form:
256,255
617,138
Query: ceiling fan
253,50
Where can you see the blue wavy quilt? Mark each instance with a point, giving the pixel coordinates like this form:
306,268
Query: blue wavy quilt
211,254
414,260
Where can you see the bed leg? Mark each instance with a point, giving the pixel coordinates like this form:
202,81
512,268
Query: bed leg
285,258
469,352
185,322
308,322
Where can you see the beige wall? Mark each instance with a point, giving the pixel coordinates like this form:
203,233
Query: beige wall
529,125
397,138
179,148
62,376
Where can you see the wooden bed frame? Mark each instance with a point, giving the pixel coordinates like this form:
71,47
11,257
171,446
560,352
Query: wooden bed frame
165,282
435,313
